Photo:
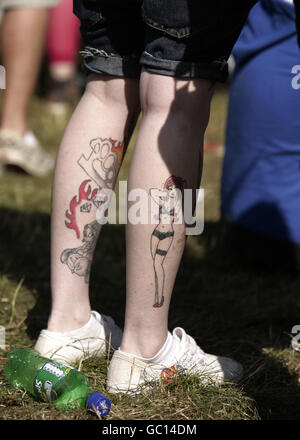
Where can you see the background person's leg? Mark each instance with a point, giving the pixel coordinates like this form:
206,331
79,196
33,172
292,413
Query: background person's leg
63,42
23,33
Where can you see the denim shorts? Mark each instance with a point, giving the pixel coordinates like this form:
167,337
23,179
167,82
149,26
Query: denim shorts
180,38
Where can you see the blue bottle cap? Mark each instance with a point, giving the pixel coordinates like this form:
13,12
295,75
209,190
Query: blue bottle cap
98,403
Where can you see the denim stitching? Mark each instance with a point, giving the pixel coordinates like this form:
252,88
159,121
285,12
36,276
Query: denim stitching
220,63
92,51
183,32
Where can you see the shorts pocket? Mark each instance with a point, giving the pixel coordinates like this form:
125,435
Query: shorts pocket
181,18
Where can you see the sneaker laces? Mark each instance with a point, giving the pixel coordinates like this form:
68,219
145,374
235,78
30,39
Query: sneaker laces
192,354
194,360
189,356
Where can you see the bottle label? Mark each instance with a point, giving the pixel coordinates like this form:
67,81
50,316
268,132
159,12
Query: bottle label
47,379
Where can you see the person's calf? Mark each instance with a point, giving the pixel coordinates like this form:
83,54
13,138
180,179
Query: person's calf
88,162
166,161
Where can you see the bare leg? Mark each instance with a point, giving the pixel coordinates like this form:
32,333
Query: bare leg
160,281
23,33
158,266
170,140
95,139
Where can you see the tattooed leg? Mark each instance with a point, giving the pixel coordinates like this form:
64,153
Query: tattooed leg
89,157
168,151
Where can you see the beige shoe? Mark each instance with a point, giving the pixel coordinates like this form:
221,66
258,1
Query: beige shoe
24,152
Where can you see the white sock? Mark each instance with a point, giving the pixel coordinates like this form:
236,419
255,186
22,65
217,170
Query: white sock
90,328
164,355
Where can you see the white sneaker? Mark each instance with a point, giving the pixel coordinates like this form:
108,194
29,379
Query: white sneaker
24,152
93,339
129,373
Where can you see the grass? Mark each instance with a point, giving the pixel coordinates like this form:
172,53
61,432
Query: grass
231,307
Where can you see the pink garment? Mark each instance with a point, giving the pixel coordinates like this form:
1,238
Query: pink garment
63,39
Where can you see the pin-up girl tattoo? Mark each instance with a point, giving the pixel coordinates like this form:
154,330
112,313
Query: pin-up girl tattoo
169,201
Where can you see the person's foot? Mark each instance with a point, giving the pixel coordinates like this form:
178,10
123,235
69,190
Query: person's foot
180,354
93,339
24,152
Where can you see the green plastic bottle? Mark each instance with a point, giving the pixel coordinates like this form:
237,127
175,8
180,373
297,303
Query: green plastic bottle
48,380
